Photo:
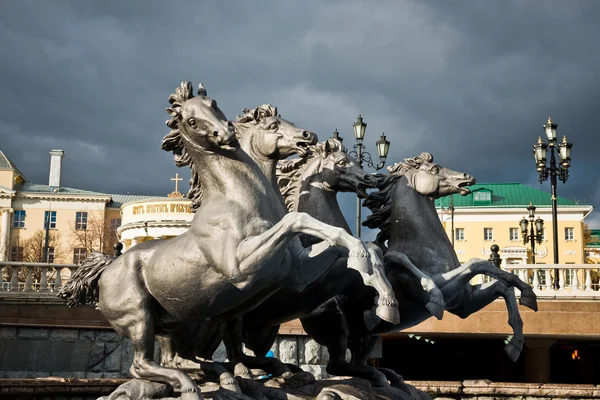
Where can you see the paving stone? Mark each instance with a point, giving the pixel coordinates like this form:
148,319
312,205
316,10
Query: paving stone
64,334
7,332
87,334
112,357
33,333
288,350
108,336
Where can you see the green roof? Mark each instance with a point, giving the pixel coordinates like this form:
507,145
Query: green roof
506,195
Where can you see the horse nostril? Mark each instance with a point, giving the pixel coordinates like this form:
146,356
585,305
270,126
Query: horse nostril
306,135
215,133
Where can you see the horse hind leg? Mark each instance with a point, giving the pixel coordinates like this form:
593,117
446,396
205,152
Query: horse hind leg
484,294
141,334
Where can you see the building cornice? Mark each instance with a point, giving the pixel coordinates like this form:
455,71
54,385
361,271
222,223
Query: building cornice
64,197
481,210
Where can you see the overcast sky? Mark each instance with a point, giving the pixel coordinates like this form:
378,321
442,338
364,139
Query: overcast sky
471,82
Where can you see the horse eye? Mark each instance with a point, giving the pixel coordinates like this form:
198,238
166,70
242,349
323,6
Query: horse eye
273,125
435,170
192,122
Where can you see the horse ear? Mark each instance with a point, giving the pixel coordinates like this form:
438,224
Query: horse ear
201,90
329,147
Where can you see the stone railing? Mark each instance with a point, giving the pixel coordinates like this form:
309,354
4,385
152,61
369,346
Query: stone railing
21,277
575,280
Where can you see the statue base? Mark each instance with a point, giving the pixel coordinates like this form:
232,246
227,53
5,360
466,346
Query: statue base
297,387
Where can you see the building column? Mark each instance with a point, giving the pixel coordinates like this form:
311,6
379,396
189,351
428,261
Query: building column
5,237
537,360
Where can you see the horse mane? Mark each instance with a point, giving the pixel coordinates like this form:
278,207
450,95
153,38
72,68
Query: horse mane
251,117
173,142
380,202
289,171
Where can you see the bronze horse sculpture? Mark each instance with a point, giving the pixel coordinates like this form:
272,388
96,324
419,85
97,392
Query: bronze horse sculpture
412,233
241,248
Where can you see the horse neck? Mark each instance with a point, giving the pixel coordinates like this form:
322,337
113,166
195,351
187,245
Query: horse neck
314,199
267,165
238,178
416,224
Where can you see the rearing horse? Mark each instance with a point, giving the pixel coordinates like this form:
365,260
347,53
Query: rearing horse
241,247
405,212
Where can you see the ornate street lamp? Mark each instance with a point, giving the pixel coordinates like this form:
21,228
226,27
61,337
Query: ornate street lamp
363,157
532,236
553,171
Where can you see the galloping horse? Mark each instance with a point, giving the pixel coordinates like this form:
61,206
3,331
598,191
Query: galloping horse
242,247
405,212
310,184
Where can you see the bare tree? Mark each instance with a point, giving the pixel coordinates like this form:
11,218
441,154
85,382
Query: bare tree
97,235
33,251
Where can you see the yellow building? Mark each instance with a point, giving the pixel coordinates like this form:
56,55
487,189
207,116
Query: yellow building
80,221
491,215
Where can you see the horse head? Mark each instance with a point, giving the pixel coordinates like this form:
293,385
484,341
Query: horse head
262,131
341,173
430,179
197,125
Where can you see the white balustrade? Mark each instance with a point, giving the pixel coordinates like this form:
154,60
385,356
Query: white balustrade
577,284
32,277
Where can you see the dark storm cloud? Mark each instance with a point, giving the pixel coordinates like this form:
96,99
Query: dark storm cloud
470,82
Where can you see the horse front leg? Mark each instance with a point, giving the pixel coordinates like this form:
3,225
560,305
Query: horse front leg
320,258
436,302
452,282
479,296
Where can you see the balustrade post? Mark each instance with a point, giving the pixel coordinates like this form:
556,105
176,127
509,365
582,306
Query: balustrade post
44,279
536,279
14,279
57,279
588,280
548,279
575,282
29,280
561,279
1,278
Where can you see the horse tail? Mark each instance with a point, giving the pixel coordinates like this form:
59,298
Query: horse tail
82,288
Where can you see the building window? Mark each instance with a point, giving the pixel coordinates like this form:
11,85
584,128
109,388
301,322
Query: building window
569,234
79,255
16,253
488,234
19,219
482,196
52,219
459,234
514,234
81,219
569,275
51,254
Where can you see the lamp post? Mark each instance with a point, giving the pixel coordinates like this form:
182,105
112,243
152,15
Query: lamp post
532,236
362,156
553,171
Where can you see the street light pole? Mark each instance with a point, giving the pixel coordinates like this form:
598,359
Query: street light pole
533,235
553,171
362,156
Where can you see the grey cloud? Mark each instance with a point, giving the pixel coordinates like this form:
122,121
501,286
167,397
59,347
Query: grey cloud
470,82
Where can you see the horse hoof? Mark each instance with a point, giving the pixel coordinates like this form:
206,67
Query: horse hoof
228,382
529,299
435,309
388,313
513,351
